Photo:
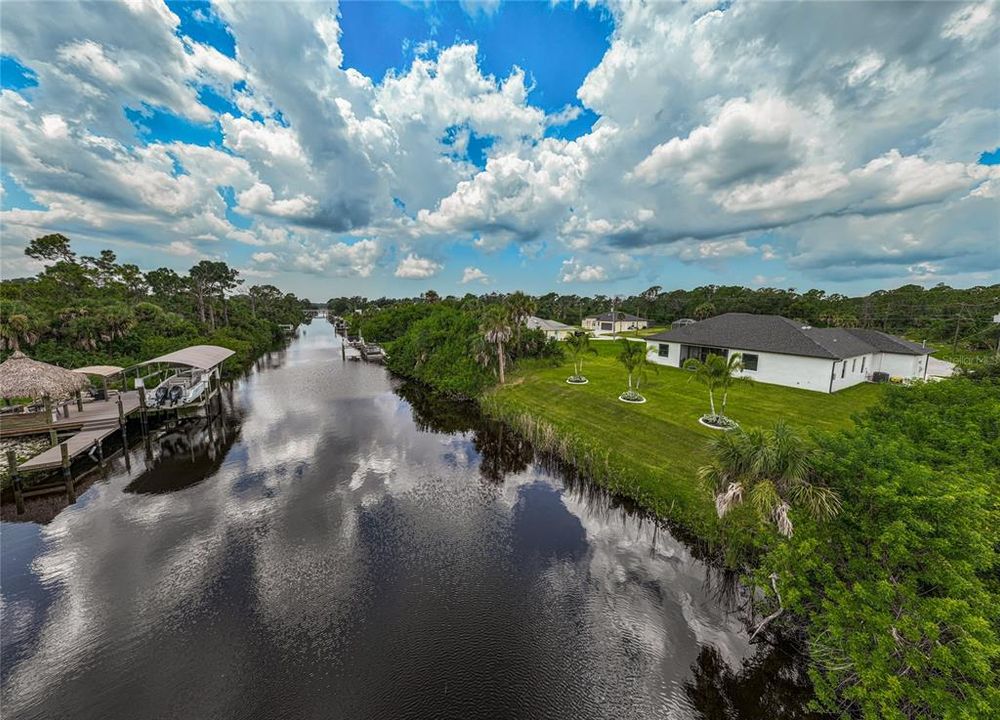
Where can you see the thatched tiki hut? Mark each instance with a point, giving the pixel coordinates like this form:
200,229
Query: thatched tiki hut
22,377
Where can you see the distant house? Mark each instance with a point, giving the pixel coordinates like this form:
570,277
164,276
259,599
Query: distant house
613,323
784,352
551,328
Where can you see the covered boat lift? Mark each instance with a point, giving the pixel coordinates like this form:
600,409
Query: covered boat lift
94,421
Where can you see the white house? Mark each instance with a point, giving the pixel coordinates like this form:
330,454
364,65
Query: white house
784,352
551,328
613,323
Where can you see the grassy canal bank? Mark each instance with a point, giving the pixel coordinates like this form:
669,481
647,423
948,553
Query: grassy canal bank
651,452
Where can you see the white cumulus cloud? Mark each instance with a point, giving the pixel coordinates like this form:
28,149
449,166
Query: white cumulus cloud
415,267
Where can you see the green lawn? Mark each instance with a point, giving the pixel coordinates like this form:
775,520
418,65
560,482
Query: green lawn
653,451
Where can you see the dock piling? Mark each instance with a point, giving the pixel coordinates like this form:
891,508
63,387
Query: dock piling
99,447
124,428
15,481
68,474
53,437
79,401
142,409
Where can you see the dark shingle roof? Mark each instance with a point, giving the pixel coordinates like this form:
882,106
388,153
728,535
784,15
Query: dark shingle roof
890,343
622,317
773,333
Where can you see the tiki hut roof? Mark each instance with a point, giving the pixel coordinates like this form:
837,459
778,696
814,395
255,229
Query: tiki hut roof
20,376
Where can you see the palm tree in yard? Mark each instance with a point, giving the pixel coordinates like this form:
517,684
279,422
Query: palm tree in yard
716,373
772,471
731,376
496,330
579,345
633,357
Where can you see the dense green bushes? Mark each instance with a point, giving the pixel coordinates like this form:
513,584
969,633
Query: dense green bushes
441,345
900,592
436,349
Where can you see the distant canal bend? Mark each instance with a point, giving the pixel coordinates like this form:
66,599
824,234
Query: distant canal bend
342,545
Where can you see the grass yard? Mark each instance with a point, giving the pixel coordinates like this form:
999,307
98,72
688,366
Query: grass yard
652,451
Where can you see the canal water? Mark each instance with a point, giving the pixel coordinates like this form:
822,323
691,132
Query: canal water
339,544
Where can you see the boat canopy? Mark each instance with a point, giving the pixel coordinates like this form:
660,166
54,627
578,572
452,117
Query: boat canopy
203,357
99,370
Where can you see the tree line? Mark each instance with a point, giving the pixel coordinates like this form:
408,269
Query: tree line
954,318
456,347
82,310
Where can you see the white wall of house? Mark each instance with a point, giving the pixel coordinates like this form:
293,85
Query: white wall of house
798,371
905,366
672,357
852,371
808,373
599,327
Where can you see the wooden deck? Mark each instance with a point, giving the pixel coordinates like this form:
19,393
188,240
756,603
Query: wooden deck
98,420
95,412
78,444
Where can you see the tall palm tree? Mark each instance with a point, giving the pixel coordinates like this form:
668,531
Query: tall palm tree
496,330
649,295
520,307
771,470
579,345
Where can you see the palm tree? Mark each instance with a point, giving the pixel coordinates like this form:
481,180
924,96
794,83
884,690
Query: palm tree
731,376
520,307
649,295
16,330
578,346
633,357
116,321
705,310
496,331
709,373
770,469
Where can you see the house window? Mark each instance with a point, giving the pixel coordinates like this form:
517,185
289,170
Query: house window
843,370
749,362
863,363
663,350
605,326
854,364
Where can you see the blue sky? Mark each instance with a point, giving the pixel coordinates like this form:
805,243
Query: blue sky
387,148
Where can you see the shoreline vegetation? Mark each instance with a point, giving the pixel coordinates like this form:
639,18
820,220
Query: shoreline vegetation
876,555
82,310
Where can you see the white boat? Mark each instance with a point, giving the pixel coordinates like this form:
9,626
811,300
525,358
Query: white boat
181,388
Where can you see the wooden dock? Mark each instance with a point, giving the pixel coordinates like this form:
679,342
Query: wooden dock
77,444
70,418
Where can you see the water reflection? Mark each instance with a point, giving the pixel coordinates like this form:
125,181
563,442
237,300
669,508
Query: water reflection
771,684
184,453
345,545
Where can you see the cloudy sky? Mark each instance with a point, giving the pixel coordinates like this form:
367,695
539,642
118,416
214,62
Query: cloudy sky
376,148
